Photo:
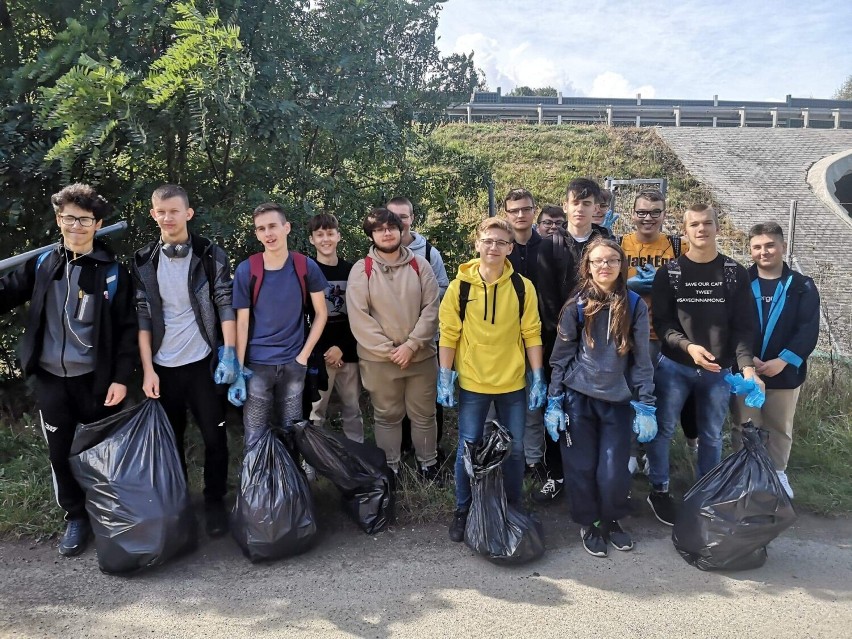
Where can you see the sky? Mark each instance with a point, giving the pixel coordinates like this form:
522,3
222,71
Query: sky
743,50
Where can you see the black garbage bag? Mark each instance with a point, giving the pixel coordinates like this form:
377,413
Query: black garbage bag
500,531
359,471
273,516
729,516
136,493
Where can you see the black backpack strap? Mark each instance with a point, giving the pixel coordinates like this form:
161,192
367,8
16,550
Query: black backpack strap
464,296
429,252
521,292
673,267
674,240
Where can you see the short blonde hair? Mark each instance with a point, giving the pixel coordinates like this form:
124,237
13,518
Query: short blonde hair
495,223
702,208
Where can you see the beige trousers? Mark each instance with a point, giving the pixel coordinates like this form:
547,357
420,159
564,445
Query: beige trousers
394,393
776,416
347,382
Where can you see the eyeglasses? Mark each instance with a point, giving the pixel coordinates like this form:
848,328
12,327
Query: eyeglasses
69,220
655,213
501,244
601,263
386,229
524,210
549,223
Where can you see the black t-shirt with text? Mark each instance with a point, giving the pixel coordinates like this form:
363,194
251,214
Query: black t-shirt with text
337,331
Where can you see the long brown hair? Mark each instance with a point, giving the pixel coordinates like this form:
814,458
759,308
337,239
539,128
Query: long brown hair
596,300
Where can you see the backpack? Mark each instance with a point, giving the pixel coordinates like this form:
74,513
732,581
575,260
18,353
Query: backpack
368,266
517,284
300,262
111,276
632,300
428,252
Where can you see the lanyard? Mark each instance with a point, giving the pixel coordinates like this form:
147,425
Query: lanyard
775,308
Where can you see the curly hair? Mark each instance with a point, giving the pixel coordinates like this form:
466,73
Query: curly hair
83,196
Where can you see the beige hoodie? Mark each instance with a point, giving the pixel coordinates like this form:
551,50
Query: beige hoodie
395,306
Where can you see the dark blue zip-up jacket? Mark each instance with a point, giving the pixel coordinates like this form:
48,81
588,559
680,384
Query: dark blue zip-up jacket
792,328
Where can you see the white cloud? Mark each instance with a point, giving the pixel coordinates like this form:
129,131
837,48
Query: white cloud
614,85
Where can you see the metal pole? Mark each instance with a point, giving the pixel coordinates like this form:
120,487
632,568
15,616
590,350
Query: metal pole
791,232
15,260
492,204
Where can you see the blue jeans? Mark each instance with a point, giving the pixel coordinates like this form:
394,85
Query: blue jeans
511,413
273,388
674,383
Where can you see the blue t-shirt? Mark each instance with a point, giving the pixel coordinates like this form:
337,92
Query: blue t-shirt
278,331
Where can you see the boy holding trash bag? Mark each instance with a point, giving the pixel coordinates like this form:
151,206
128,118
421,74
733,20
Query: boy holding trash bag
489,323
80,339
600,368
187,336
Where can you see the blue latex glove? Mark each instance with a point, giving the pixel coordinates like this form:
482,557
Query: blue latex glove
538,389
554,417
644,422
237,393
748,387
609,219
446,383
643,281
228,367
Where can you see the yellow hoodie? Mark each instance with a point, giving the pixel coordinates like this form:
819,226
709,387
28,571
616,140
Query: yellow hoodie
490,344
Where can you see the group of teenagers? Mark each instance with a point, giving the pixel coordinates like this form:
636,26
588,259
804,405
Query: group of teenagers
588,348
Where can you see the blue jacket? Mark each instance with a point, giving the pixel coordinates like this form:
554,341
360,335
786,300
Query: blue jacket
792,329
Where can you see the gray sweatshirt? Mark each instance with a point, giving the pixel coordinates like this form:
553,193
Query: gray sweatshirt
600,372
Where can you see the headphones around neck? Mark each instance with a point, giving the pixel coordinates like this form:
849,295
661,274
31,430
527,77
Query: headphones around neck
176,250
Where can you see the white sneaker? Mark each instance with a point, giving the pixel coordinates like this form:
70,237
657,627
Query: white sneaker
310,473
782,477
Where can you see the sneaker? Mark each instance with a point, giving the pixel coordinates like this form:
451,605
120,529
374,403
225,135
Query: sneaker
215,519
663,506
430,474
75,538
593,540
310,472
550,490
620,540
692,446
458,525
782,477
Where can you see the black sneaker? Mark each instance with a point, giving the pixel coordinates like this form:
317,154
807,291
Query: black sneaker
550,490
593,540
663,506
75,538
215,519
458,525
616,536
537,472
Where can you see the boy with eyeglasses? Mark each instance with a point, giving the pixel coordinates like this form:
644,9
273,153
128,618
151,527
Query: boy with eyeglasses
490,329
550,220
647,249
183,303
520,208
79,342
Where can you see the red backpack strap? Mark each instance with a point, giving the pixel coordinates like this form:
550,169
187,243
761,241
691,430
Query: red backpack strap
301,264
255,276
368,266
413,263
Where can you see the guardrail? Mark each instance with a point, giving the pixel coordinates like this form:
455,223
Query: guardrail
656,115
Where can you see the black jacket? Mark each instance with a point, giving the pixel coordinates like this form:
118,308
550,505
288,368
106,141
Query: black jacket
115,332
558,262
794,335
210,286
524,258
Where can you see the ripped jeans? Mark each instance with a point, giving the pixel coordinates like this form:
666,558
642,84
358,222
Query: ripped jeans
274,398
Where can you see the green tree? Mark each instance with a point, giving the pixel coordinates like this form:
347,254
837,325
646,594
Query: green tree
524,90
845,90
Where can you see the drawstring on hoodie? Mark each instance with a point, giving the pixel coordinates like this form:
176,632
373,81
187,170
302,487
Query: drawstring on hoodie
608,321
493,302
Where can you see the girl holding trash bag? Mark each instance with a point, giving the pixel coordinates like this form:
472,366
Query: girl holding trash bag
602,382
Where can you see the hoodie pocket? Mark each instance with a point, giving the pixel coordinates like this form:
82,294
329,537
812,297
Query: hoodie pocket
491,366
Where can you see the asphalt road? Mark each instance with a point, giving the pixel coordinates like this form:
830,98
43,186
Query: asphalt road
413,582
